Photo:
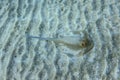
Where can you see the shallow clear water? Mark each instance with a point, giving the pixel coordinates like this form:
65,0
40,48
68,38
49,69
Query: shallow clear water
23,58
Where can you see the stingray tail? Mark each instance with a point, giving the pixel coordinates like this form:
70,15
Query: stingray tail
40,38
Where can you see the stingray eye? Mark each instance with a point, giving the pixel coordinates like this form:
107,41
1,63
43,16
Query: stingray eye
84,43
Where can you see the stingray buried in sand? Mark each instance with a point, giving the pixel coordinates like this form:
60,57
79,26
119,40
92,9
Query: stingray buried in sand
76,42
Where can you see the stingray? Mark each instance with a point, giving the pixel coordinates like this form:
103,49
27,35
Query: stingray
76,42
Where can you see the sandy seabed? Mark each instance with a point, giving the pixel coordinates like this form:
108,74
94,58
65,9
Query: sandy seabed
23,58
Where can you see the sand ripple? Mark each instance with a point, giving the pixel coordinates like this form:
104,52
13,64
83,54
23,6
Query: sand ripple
22,58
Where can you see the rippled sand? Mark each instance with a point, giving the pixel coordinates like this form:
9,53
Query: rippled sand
23,58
